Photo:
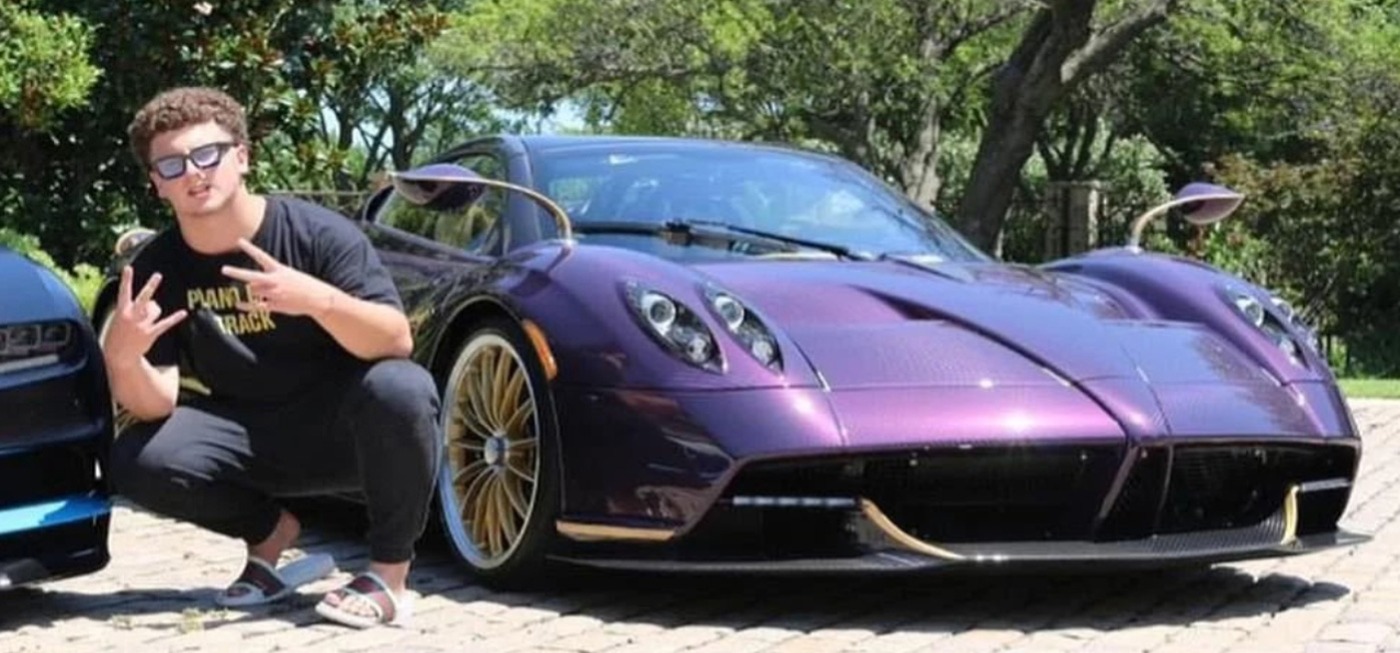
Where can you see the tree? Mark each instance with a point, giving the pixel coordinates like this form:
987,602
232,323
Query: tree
879,81
334,91
1065,44
1276,80
364,98
44,67
1292,104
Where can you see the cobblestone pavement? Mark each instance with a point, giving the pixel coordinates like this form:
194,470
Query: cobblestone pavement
156,596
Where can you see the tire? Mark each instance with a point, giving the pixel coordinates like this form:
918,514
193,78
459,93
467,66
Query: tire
498,485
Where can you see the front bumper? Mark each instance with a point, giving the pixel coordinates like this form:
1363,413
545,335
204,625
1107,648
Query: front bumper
1051,557
880,545
997,507
53,539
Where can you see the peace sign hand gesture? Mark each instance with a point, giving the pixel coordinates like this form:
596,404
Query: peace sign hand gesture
137,321
280,288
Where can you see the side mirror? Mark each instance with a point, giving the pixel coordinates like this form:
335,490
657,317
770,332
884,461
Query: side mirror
448,187
1201,203
129,239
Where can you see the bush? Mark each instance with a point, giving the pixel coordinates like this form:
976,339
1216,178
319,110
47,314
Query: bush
84,280
1323,235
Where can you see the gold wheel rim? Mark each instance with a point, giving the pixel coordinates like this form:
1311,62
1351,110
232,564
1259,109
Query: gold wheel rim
491,448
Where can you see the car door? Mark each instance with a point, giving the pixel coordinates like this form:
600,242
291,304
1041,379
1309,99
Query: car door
433,254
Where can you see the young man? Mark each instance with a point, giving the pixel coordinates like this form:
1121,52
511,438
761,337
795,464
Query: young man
265,355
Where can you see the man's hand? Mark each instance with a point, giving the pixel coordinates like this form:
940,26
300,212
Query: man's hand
136,322
280,288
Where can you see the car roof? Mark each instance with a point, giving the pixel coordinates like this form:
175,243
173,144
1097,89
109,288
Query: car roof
553,143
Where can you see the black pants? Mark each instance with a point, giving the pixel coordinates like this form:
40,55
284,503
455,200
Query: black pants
220,465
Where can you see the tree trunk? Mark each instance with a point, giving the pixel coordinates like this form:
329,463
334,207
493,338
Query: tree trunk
1058,50
1001,154
919,168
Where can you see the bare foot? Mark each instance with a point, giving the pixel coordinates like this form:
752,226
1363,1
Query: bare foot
270,550
366,602
395,574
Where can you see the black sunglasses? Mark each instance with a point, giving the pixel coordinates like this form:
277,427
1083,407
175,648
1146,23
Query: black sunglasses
203,157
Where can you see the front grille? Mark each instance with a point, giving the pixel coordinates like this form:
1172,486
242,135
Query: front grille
1003,493
60,405
42,474
1027,494
1221,486
1134,514
1233,486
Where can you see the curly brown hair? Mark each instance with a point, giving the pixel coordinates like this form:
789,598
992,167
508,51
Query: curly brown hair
178,108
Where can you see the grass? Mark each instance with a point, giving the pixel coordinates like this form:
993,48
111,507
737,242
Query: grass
1371,388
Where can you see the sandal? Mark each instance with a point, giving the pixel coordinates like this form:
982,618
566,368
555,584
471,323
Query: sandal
260,583
370,592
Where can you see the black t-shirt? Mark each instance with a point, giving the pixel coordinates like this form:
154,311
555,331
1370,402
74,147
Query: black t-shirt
259,355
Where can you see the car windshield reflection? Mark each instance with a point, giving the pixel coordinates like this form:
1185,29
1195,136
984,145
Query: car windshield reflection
789,195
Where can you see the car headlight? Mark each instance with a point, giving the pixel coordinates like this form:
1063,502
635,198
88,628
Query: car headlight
1300,325
33,344
1251,309
746,327
1278,330
675,326
1283,341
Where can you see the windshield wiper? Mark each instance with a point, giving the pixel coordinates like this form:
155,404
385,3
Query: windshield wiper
717,234
839,250
929,263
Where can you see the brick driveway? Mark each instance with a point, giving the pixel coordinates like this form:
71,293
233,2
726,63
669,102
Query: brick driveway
156,596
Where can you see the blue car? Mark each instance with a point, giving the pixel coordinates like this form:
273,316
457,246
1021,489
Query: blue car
55,428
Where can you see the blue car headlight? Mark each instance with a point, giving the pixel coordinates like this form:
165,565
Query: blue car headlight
675,326
746,327
34,344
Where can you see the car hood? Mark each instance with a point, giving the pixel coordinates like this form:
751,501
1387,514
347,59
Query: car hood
27,292
889,338
899,324
987,350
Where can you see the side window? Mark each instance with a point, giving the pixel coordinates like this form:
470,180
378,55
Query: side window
474,228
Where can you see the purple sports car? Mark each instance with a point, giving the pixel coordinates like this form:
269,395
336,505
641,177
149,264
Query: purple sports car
699,355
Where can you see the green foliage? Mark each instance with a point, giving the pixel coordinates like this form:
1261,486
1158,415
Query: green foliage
876,81
1324,236
1281,238
1371,388
640,66
1276,80
1130,180
363,99
44,67
335,90
1291,103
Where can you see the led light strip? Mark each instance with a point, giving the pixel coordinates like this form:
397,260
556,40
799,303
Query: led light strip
28,363
793,502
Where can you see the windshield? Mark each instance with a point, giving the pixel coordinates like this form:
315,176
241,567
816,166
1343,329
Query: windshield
788,194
